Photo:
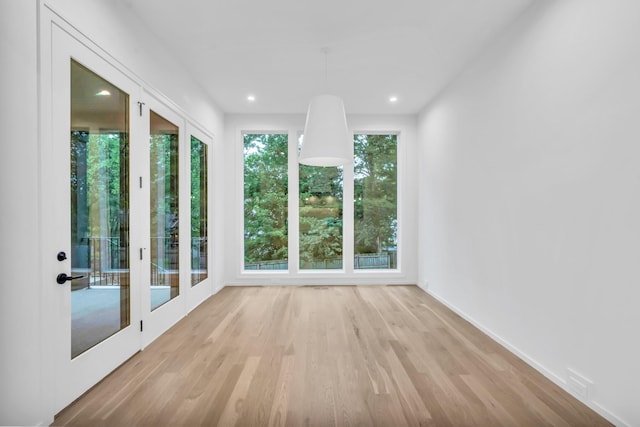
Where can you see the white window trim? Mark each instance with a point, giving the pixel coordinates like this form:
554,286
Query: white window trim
399,205
348,275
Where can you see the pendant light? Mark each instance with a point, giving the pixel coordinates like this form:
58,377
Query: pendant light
326,140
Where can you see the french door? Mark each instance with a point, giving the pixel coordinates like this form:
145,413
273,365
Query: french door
166,213
113,230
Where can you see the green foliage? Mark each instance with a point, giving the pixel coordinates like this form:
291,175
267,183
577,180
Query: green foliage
320,215
375,193
99,179
265,197
199,203
198,188
99,176
164,185
320,203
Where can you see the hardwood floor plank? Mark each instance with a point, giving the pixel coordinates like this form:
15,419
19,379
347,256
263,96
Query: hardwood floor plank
219,397
500,415
426,389
415,412
279,408
256,408
238,397
325,356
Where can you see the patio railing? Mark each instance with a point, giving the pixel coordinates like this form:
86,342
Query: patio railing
360,262
104,261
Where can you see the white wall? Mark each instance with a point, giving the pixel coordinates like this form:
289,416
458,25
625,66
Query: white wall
530,191
19,291
116,29
235,124
25,380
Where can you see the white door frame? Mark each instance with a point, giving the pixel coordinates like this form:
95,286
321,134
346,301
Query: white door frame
53,305
198,293
162,318
72,377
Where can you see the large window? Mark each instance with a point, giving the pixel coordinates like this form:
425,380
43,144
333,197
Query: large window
320,217
342,218
375,201
265,202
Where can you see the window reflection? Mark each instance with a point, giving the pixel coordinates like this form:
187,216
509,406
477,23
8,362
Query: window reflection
320,216
165,231
99,179
199,197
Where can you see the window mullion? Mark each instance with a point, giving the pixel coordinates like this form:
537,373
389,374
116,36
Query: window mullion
347,216
293,218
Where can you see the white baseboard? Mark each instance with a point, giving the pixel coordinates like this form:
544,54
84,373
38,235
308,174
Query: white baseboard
530,361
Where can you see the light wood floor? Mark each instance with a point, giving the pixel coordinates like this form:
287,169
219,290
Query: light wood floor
383,355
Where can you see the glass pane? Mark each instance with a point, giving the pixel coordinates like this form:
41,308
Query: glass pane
165,272
199,232
375,201
265,202
99,152
320,217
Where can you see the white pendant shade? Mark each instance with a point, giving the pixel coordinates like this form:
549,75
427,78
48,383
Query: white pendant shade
326,139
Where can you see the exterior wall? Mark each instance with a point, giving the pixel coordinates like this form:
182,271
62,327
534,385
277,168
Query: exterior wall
530,197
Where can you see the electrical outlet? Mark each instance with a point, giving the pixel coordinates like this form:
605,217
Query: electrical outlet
578,385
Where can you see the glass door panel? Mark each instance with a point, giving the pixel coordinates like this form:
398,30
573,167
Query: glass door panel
199,197
99,179
164,244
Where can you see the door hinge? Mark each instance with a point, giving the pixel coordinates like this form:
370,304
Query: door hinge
141,326
140,182
140,104
140,254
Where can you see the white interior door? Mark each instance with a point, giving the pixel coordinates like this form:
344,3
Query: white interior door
91,224
199,146
122,258
163,184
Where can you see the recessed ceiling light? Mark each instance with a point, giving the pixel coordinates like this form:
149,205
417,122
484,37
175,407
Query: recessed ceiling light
393,99
103,93
251,98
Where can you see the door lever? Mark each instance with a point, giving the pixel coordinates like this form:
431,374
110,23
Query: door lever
62,278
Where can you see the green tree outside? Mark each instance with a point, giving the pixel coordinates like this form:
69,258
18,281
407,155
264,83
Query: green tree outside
320,217
375,194
320,205
265,198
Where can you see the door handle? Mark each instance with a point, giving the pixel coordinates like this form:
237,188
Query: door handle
62,278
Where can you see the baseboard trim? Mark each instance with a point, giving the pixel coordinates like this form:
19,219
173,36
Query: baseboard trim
312,283
612,418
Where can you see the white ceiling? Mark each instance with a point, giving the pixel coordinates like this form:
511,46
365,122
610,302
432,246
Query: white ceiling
273,48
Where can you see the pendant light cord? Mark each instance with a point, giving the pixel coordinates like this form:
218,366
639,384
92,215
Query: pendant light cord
325,50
